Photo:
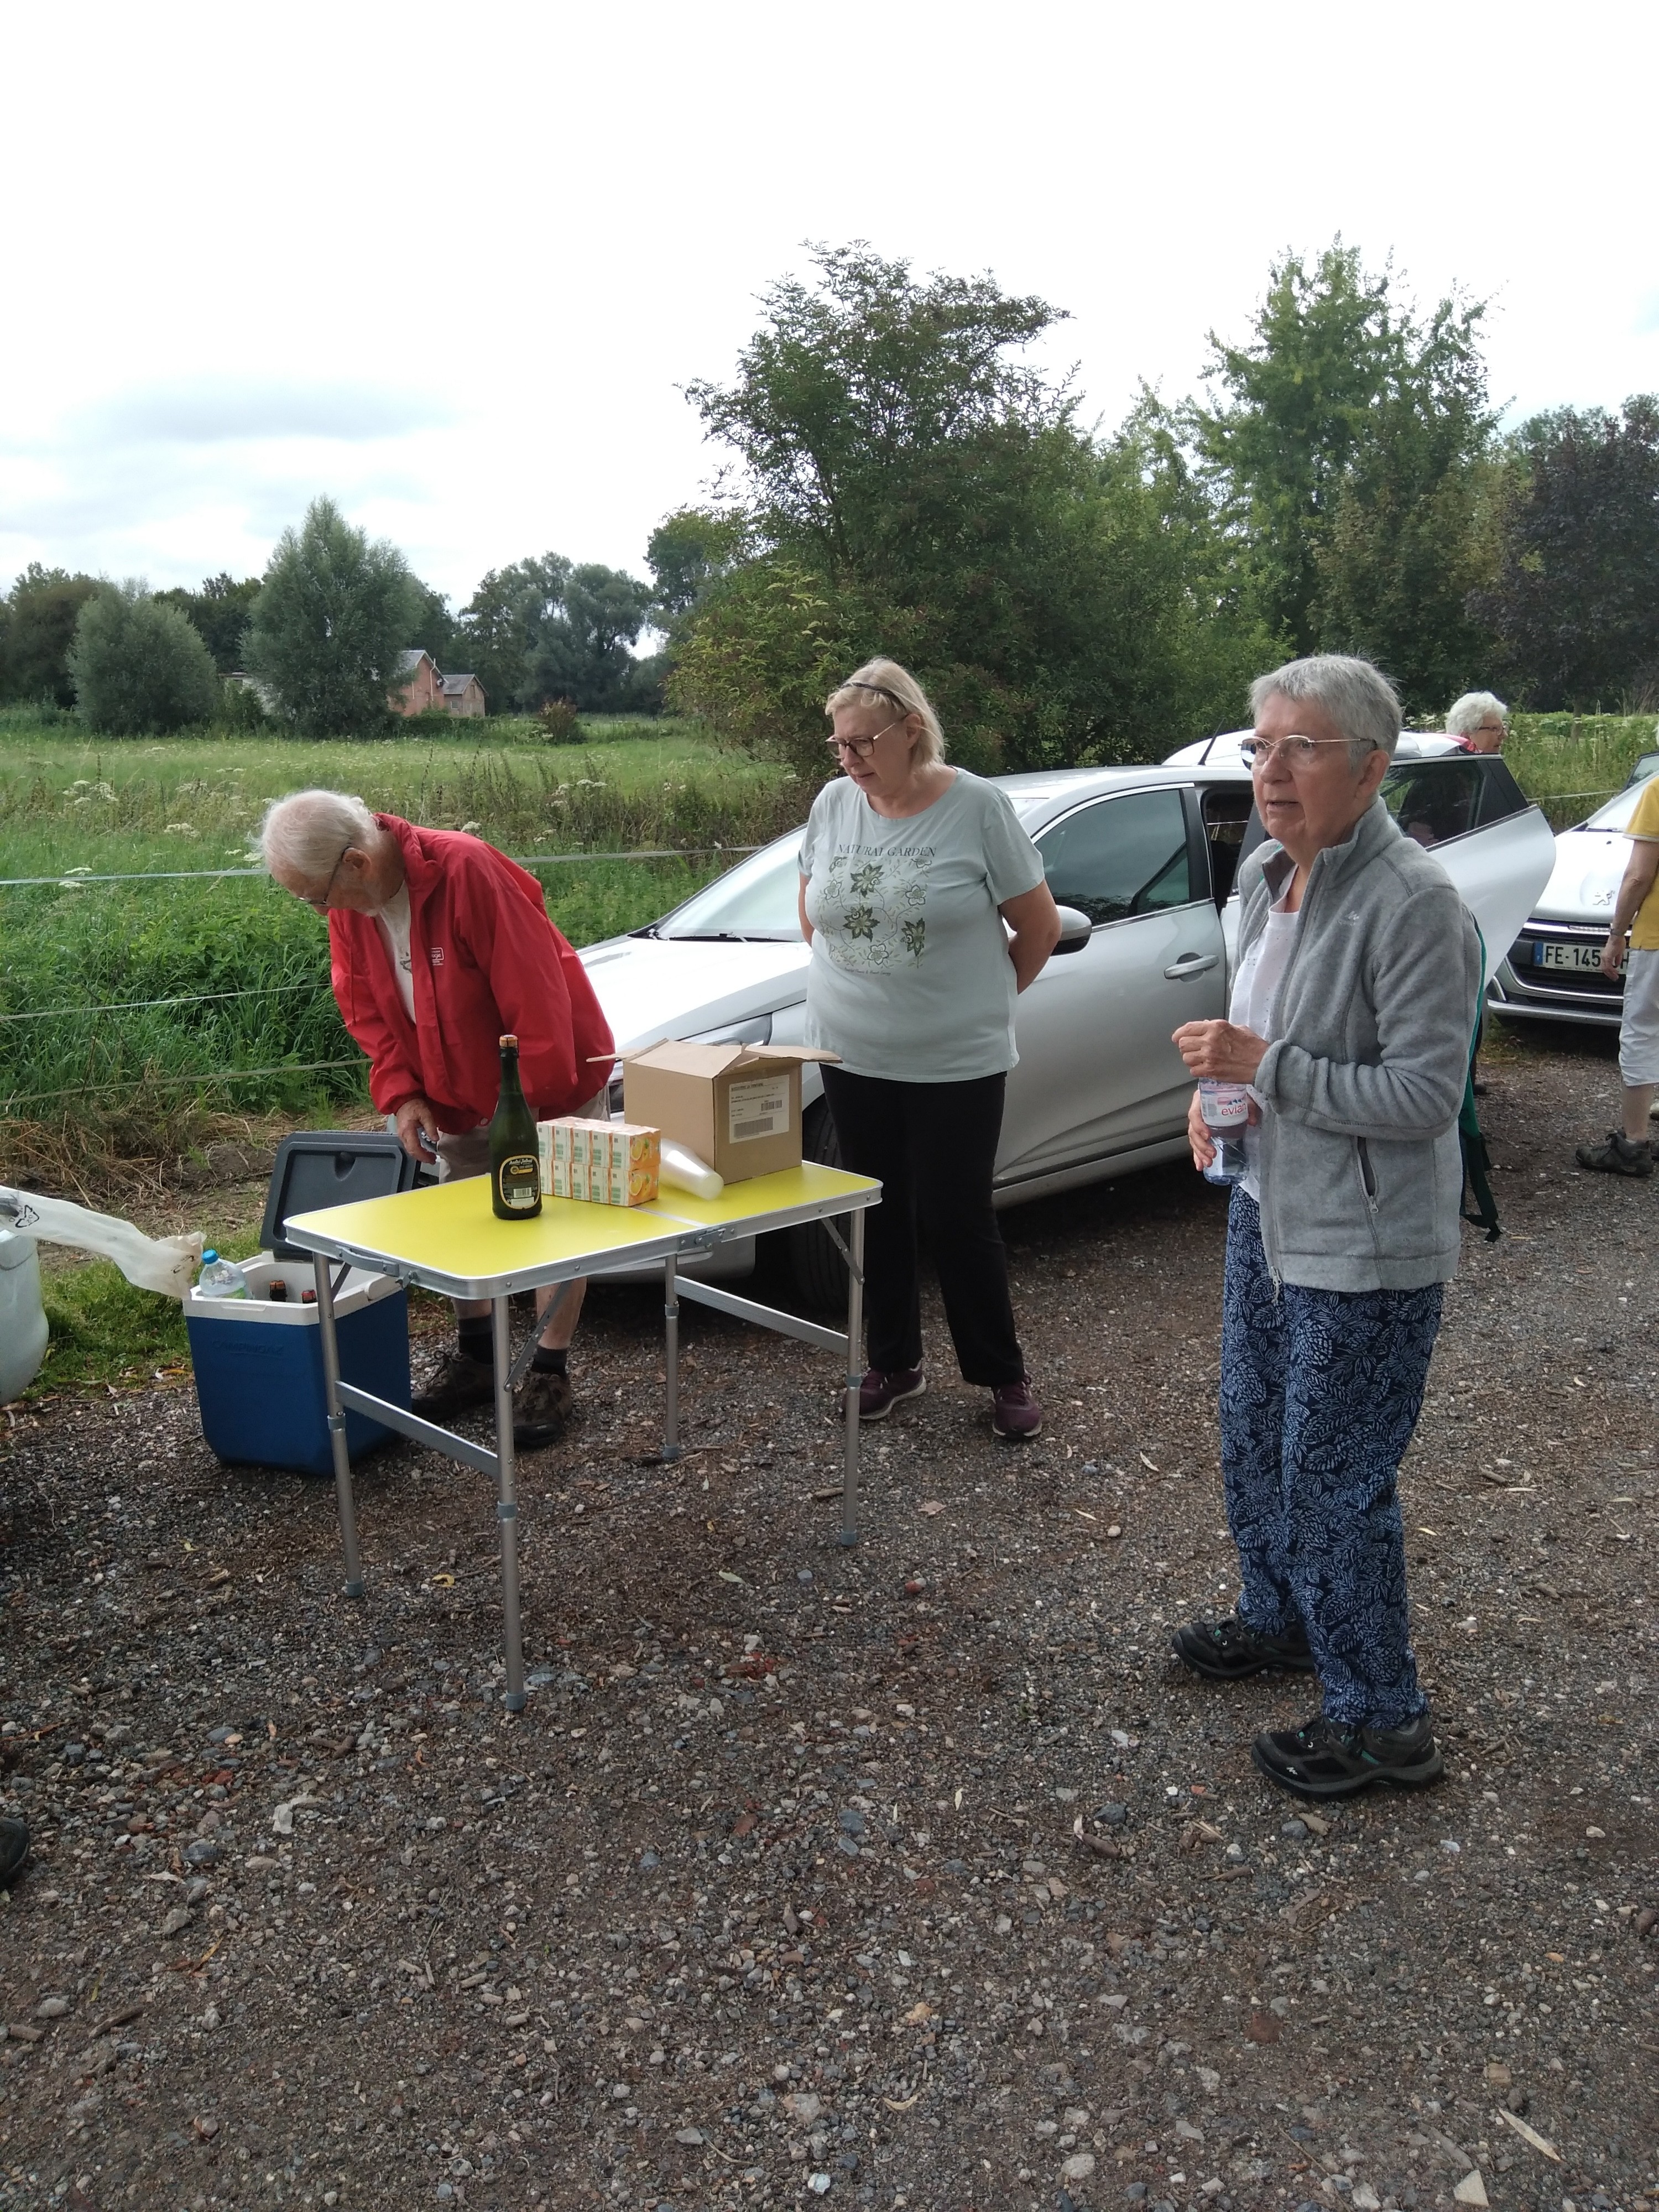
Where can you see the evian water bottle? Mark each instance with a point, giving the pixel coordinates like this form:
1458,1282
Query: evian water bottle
1226,1107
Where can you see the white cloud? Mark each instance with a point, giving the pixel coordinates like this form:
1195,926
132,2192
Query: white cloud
450,267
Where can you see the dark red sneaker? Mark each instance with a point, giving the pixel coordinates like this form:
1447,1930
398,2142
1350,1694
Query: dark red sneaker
1015,1413
880,1393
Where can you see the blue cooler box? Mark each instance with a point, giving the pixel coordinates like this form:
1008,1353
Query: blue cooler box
259,1365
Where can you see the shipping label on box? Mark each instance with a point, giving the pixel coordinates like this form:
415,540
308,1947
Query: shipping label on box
759,1108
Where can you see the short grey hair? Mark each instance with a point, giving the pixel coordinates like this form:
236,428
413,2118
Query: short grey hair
306,833
1464,718
880,684
1358,697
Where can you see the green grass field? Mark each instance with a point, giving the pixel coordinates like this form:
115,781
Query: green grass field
1570,763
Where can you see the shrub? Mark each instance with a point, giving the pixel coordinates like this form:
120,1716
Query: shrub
560,724
139,667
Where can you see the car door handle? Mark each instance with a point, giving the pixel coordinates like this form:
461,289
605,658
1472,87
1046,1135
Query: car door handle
1191,964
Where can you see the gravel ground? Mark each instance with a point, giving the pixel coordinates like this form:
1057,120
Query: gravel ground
916,1873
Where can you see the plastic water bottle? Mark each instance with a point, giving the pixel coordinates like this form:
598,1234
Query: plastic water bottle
1226,1107
221,1278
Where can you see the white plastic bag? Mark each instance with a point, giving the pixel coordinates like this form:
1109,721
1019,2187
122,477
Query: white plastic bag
683,1170
165,1264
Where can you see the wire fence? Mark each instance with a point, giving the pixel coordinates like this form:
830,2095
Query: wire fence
15,1101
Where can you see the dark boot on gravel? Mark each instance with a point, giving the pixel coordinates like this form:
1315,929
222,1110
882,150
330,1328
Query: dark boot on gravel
541,1409
1621,1155
1333,1759
1229,1650
460,1386
879,1392
14,1849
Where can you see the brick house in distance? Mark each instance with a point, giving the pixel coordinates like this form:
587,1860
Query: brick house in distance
425,688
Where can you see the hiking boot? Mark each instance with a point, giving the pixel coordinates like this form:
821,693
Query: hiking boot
460,1386
1015,1413
1229,1651
880,1392
1333,1759
14,1849
541,1410
1621,1155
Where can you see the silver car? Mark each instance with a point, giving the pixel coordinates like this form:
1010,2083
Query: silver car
1552,972
1142,861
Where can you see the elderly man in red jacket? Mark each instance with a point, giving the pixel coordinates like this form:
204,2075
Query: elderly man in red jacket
439,947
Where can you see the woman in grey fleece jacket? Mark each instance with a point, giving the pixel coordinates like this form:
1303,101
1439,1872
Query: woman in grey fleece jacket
1353,1013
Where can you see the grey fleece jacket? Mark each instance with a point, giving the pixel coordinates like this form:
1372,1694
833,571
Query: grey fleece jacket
1361,1169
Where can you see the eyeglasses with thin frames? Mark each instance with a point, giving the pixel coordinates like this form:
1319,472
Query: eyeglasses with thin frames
859,748
1294,751
320,905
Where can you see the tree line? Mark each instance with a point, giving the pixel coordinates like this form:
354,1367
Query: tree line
900,477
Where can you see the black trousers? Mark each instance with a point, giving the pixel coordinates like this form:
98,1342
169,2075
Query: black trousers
933,1147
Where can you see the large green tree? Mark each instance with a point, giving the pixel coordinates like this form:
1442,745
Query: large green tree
334,615
913,484
552,629
220,612
139,666
37,628
1576,601
1346,452
501,624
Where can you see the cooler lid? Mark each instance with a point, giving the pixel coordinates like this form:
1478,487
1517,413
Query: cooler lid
317,1168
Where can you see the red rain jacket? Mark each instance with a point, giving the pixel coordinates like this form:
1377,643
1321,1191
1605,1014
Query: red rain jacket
486,960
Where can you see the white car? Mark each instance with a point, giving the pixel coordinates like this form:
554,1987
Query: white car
1144,859
1552,972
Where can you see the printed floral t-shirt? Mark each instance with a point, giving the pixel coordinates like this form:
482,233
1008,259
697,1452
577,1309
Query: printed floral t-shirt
910,976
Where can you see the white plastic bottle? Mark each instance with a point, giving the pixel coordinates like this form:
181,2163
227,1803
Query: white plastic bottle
1226,1109
220,1279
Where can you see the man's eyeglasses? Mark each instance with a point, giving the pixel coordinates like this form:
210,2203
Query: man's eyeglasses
1295,752
320,905
859,748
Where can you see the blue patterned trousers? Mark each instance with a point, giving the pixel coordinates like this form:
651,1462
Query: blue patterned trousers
1319,1393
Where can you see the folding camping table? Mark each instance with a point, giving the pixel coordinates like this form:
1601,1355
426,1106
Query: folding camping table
446,1238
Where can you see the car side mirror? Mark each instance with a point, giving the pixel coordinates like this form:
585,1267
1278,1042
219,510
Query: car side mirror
1075,931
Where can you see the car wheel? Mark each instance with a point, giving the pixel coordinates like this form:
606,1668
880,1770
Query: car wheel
817,1269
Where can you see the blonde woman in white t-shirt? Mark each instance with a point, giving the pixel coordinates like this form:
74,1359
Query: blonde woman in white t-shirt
909,869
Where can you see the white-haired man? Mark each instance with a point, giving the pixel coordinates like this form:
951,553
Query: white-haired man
439,946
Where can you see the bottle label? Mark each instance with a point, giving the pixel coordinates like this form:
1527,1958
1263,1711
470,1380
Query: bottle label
1224,1105
519,1179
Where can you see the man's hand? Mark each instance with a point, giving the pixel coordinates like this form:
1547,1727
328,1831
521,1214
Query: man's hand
1613,953
417,1129
1220,1050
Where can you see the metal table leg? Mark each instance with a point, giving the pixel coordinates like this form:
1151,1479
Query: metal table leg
507,1505
849,1494
670,1362
336,1429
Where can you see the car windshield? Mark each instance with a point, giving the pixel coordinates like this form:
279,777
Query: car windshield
1616,814
755,899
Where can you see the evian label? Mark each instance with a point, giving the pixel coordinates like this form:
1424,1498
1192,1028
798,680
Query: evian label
1224,1105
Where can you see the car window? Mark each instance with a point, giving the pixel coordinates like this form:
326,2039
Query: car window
757,899
1616,814
1435,799
1120,856
1226,810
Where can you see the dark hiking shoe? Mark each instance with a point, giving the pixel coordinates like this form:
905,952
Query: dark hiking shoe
1333,1759
1621,1155
460,1386
1015,1413
14,1849
880,1392
1230,1649
541,1410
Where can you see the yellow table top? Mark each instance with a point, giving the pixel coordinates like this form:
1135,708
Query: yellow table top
448,1237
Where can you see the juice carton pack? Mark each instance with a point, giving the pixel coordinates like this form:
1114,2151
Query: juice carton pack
603,1162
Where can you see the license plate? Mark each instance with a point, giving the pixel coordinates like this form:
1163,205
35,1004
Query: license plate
1581,958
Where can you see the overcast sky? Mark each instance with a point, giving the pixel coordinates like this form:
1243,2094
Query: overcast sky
450,264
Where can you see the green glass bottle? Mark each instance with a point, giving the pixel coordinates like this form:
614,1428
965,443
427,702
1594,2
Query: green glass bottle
515,1182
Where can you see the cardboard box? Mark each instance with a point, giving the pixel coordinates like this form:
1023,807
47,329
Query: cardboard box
736,1106
602,1163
